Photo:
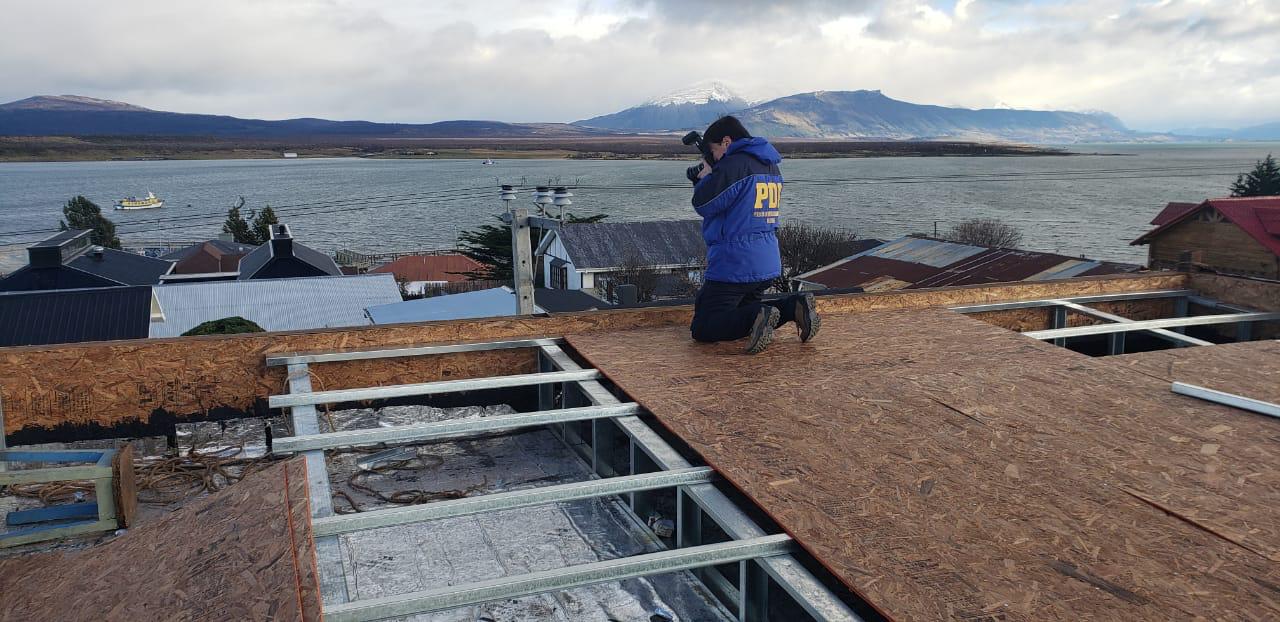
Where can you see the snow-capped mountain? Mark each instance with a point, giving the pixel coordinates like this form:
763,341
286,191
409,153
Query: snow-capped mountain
689,108
699,93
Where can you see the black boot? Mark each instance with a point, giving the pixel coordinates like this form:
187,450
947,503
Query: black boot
762,330
807,320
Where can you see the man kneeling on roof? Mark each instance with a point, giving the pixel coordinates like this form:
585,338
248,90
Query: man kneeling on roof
739,195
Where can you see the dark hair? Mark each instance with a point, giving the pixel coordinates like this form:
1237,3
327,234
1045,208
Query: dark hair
727,125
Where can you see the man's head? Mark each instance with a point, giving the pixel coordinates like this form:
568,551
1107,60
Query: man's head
722,132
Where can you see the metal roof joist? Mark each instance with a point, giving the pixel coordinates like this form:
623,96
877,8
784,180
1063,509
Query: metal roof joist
427,432
1198,320
384,353
451,597
1052,302
590,489
428,388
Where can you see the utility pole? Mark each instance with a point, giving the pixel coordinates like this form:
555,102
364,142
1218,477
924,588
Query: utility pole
521,253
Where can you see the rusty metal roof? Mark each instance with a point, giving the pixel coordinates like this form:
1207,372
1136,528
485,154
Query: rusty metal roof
912,263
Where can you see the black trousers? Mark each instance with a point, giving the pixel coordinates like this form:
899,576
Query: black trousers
725,311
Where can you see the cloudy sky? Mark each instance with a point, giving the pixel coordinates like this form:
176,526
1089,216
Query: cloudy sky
1157,65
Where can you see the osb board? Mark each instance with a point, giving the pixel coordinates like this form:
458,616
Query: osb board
125,486
1260,295
119,383
1018,320
1248,368
946,468
244,553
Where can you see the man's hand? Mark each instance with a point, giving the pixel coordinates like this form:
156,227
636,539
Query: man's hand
706,170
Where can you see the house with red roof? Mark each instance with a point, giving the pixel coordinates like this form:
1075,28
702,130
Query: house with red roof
1239,235
421,272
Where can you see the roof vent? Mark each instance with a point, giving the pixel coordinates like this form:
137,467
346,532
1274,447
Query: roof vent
97,253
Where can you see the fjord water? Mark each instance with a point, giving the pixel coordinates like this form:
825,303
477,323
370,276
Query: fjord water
1090,205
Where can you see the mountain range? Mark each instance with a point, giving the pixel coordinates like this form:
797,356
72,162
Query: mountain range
73,115
846,115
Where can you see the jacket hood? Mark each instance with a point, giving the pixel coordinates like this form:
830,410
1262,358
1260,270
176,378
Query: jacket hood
757,148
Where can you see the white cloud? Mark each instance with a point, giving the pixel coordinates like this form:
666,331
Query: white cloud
1155,65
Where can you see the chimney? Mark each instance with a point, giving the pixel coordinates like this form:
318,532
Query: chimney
59,249
281,241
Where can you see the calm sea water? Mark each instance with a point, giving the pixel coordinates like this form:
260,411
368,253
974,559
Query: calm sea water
1085,204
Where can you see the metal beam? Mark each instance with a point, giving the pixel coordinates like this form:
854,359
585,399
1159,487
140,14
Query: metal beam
1228,399
428,388
387,353
795,579
590,489
333,579
423,432
1050,302
1199,320
1218,304
451,597
1167,335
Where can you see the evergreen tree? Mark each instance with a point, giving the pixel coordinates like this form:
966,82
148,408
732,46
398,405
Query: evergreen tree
237,226
262,222
81,213
1263,180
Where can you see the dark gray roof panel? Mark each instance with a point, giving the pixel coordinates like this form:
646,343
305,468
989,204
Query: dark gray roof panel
597,246
123,268
70,316
27,279
567,300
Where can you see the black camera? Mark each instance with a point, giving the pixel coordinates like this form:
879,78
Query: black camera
695,139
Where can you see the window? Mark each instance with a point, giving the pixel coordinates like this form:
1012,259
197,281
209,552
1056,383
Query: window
560,277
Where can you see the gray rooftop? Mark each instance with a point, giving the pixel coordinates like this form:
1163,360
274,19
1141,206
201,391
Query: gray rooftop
602,246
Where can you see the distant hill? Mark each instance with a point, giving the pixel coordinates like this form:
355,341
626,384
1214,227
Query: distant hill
691,108
72,115
1266,131
871,114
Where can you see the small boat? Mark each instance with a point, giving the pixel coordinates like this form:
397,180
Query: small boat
148,202
488,161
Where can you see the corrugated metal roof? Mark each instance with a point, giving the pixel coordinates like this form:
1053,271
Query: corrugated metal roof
925,251
276,304
1065,270
913,263
1256,216
74,315
598,246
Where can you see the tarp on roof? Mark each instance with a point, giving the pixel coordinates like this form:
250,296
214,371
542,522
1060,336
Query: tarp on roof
276,304
74,315
601,246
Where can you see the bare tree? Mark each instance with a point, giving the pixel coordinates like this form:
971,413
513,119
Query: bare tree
686,285
805,247
634,272
985,232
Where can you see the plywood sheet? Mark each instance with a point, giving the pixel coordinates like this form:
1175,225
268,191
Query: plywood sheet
1249,368
944,468
242,554
92,387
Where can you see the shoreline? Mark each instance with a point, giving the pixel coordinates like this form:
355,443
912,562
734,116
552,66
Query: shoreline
141,149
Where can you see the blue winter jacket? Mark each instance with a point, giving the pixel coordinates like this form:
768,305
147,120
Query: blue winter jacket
739,204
